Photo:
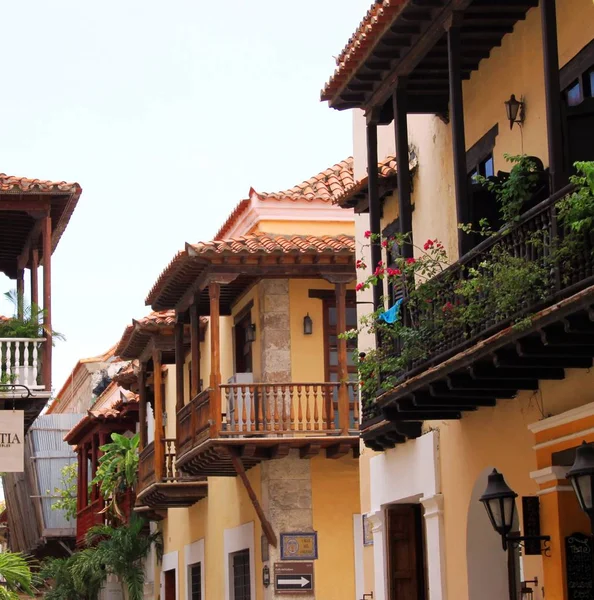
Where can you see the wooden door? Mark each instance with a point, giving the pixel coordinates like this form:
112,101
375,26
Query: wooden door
406,569
170,591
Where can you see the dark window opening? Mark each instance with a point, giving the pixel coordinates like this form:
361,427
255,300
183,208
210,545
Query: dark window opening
240,567
196,582
243,348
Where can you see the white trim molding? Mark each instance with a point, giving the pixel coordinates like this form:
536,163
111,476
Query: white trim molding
234,540
575,414
359,569
194,554
435,540
554,488
549,474
170,562
565,438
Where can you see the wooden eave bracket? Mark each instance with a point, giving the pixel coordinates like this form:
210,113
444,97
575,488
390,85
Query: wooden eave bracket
240,470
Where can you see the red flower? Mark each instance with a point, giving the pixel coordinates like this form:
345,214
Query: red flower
378,272
448,306
428,245
360,264
380,263
394,272
359,287
411,261
384,243
368,234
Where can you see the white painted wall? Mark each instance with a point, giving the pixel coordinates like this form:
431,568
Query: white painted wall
194,554
234,540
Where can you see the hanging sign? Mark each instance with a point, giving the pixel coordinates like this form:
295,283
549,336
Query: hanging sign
12,438
293,578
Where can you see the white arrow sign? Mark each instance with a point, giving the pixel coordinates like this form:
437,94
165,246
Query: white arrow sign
302,581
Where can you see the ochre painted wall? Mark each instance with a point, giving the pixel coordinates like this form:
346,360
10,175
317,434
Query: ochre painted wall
307,227
335,496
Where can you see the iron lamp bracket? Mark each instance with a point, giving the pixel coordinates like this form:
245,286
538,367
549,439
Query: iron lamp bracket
519,541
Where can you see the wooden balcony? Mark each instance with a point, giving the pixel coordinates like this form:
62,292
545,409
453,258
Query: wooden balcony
89,517
173,489
21,375
265,421
467,368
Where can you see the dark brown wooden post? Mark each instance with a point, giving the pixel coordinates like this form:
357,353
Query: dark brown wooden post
179,366
374,203
399,101
46,233
343,373
194,350
158,391
548,16
142,393
214,290
34,278
94,458
20,283
79,479
84,480
457,124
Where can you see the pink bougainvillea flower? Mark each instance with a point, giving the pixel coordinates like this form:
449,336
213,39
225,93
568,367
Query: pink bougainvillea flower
394,272
428,245
368,234
384,243
411,261
359,287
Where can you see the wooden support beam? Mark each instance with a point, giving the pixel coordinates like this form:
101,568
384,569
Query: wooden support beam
548,15
399,100
374,206
343,373
46,232
79,478
35,278
240,470
94,459
179,366
457,124
20,288
194,350
214,290
142,401
158,392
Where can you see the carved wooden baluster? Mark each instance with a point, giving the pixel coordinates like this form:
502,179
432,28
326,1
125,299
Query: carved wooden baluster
324,396
252,418
270,408
293,397
300,408
7,361
28,383
244,401
35,361
331,403
316,399
355,397
275,391
261,400
283,398
307,407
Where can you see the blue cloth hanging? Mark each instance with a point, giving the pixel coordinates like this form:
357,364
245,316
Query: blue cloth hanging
391,315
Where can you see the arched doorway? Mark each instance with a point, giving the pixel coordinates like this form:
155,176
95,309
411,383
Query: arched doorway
486,561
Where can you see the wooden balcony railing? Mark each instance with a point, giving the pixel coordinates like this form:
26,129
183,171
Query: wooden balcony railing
273,409
20,362
193,421
534,238
146,465
87,518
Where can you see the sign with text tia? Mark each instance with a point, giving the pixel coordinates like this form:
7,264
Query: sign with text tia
12,437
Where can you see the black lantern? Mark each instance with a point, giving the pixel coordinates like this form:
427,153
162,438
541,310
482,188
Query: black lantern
250,333
500,502
515,111
581,476
307,325
265,576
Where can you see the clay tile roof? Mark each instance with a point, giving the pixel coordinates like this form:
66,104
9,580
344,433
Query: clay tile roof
378,18
137,335
324,186
188,264
275,244
21,185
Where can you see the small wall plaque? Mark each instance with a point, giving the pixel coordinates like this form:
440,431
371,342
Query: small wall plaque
367,532
299,546
265,548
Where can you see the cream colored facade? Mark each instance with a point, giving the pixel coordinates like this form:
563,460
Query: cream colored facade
445,470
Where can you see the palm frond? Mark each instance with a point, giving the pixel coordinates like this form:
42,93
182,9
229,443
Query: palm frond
16,571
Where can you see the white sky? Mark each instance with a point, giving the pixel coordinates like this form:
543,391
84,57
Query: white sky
166,113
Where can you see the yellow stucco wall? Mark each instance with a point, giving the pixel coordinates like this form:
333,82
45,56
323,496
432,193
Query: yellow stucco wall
335,496
307,227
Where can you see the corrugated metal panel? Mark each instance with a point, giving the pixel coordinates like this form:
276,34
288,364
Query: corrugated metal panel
50,455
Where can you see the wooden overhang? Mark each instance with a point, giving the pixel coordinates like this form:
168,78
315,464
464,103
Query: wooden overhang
242,262
23,202
122,416
31,405
407,39
173,494
515,359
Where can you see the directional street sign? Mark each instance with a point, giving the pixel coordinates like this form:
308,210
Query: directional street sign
293,578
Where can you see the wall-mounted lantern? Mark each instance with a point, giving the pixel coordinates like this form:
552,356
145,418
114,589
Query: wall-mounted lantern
266,576
581,476
515,111
307,325
250,333
527,592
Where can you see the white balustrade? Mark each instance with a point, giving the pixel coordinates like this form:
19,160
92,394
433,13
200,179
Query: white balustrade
19,362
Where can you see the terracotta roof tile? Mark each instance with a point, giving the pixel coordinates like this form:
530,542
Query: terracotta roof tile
275,244
138,333
378,18
21,185
323,186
